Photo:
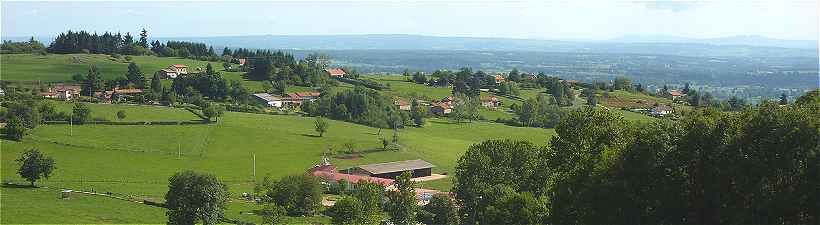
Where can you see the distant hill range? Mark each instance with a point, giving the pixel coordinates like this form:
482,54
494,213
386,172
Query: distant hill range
667,45
748,40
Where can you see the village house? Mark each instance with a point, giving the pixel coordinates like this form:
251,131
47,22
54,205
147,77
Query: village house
242,62
335,72
675,94
118,94
443,107
62,92
268,99
661,110
570,82
490,102
402,104
173,71
499,78
296,99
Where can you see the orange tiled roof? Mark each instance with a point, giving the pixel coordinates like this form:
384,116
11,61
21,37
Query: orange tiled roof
335,72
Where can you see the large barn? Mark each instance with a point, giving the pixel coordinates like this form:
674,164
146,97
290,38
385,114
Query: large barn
391,170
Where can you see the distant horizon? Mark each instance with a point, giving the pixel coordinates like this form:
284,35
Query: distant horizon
614,39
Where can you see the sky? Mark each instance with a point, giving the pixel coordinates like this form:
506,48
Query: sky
556,20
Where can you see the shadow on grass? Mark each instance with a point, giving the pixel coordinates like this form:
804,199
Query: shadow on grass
12,185
7,138
311,135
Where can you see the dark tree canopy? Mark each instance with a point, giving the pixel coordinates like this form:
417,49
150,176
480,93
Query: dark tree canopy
34,165
195,198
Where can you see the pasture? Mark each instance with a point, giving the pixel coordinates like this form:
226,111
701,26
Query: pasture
137,160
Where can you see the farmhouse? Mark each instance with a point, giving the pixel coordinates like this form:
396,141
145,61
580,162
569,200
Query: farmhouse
297,98
440,108
402,104
661,110
118,94
268,99
335,72
675,94
173,71
570,82
499,78
490,102
62,92
242,62
391,170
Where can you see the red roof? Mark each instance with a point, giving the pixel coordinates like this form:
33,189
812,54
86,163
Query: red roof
352,178
499,78
180,66
335,72
308,94
127,91
675,93
242,61
489,99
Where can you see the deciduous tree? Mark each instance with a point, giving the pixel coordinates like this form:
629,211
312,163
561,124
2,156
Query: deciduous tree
195,198
35,165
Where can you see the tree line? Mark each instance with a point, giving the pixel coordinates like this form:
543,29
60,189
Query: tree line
755,166
107,43
119,44
30,46
283,69
360,105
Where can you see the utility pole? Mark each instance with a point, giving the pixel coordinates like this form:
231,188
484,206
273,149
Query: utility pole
179,150
254,166
71,125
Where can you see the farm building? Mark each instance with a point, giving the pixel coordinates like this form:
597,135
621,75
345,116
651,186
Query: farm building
661,110
335,72
118,94
268,99
327,172
490,102
499,78
296,99
173,71
675,94
391,170
62,92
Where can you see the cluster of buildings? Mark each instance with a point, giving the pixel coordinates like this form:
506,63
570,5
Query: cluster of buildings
69,92
62,92
291,100
173,71
446,104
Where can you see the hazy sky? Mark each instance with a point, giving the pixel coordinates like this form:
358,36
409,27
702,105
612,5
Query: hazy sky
580,19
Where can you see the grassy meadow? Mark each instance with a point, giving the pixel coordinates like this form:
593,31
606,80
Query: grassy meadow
137,160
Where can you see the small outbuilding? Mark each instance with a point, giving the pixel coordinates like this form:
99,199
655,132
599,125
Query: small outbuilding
391,170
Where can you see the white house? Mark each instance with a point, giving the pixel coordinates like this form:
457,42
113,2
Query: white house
661,110
173,71
268,99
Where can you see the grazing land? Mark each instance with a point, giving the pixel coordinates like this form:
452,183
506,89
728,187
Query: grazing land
137,160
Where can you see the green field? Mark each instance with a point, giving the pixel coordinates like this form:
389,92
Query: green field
136,160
